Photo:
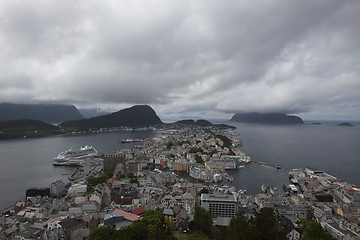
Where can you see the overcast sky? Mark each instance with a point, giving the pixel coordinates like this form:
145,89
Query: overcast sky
184,58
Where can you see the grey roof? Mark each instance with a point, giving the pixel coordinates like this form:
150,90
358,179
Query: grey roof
71,223
222,221
168,211
177,209
218,197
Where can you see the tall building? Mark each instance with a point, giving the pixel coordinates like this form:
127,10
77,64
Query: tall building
113,159
219,205
57,188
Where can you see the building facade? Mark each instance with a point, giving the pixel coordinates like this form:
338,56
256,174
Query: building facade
112,159
219,205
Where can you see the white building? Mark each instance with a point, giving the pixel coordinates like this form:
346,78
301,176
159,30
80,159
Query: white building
78,189
219,205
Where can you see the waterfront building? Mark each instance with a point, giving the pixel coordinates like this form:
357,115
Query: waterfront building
78,189
199,172
57,188
113,159
219,205
34,192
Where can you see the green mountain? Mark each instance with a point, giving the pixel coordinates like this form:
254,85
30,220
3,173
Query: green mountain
49,113
200,122
25,128
203,123
269,118
136,116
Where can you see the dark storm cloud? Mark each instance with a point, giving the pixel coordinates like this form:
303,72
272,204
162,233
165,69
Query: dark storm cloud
183,56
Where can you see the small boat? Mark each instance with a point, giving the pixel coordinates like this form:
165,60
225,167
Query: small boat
278,166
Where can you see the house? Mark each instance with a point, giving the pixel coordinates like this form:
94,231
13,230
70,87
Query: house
139,211
127,216
124,194
173,214
295,232
70,226
116,219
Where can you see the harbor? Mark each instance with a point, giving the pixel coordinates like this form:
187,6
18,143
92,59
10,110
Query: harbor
277,166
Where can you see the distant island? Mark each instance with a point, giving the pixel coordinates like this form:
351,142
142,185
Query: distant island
345,124
49,113
202,123
269,118
26,128
136,116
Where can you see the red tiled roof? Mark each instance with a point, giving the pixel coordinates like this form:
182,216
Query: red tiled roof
138,210
111,180
57,219
128,216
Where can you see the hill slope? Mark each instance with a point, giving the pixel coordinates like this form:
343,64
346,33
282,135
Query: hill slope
25,127
43,112
136,116
270,118
202,123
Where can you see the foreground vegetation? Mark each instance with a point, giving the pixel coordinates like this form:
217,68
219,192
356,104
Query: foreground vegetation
266,224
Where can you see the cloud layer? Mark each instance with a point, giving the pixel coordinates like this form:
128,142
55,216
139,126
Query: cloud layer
184,57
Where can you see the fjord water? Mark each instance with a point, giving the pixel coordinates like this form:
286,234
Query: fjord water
28,163
333,149
336,150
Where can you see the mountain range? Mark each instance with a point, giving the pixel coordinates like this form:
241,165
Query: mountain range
49,113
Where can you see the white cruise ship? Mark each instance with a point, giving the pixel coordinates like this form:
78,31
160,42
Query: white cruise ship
84,152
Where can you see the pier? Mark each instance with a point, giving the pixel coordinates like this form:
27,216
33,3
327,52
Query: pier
267,164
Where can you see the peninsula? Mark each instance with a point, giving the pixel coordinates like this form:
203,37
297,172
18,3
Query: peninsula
26,128
268,118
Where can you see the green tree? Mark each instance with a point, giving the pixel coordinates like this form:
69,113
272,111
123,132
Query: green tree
227,141
239,227
160,229
130,175
219,233
199,159
267,225
314,231
195,150
202,216
103,232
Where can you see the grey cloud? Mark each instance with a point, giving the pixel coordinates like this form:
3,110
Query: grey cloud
183,57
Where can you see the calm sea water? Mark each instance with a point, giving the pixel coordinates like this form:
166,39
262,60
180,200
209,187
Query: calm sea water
28,162
331,148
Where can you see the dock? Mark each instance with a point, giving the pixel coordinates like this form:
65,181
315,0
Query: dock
66,164
267,164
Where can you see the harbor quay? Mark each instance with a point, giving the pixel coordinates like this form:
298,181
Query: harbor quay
117,188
